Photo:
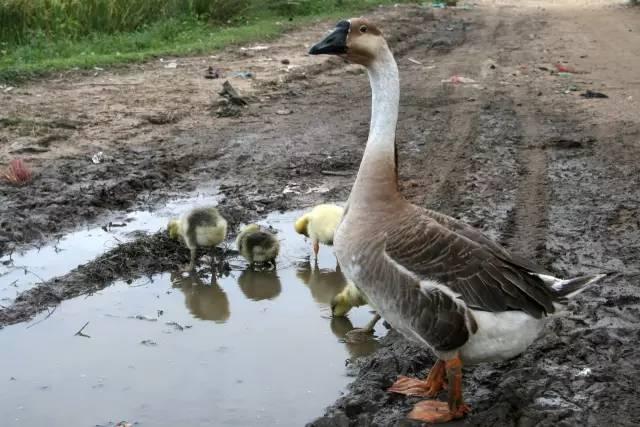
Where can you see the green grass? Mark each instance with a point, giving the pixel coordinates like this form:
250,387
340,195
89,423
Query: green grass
44,51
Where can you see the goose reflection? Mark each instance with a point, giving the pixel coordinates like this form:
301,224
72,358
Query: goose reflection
206,302
365,345
324,284
259,285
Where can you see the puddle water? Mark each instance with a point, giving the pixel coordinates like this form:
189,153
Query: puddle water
251,349
23,270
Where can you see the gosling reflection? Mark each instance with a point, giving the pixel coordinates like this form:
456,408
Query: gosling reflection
259,285
365,345
206,302
324,284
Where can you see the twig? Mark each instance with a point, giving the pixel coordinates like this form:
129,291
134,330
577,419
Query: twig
45,318
80,334
26,270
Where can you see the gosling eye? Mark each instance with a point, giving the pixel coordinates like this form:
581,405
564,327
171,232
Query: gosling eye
363,28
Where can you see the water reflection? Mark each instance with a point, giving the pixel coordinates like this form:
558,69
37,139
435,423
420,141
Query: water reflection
324,284
340,326
204,301
259,285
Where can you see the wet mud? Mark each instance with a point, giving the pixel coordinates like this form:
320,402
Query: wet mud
518,154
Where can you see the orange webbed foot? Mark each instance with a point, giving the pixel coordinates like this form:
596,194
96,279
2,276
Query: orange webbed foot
430,387
433,411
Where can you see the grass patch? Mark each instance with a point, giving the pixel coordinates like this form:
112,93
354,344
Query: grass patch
189,33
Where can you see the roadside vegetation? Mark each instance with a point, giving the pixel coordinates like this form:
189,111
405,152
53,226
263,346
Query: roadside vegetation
40,36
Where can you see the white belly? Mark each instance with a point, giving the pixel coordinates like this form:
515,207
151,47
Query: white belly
500,336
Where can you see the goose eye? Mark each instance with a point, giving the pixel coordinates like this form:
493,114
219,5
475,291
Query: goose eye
363,28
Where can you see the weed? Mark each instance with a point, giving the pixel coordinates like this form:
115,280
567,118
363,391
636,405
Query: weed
17,173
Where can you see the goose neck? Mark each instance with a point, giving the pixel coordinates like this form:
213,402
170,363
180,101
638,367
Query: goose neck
377,177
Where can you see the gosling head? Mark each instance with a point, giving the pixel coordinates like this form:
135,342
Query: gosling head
174,229
356,40
340,306
301,225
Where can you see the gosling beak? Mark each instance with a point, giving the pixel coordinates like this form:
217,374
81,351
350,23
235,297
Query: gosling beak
335,43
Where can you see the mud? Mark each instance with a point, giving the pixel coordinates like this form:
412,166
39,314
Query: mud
519,154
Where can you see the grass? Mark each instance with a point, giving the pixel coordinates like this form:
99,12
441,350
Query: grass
104,44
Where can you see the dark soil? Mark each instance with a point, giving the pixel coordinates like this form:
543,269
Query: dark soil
549,174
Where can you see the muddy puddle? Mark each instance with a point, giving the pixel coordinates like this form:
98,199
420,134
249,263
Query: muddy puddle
22,270
251,348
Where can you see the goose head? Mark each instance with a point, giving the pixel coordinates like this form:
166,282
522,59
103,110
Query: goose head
357,40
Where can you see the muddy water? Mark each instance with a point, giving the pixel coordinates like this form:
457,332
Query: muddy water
22,270
253,348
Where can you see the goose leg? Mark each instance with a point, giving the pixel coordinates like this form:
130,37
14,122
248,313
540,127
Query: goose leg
434,411
430,387
192,262
316,249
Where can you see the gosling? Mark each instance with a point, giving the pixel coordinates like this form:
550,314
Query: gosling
258,246
348,298
320,225
200,227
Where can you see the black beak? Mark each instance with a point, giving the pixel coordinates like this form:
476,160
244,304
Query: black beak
335,43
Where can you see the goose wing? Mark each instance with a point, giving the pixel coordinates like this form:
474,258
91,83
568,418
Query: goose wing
482,239
463,262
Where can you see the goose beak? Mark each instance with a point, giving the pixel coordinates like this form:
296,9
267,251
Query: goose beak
335,43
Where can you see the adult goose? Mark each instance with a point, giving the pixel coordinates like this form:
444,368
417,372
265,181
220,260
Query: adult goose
438,281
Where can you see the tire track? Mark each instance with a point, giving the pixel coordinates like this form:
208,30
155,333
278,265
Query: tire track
527,228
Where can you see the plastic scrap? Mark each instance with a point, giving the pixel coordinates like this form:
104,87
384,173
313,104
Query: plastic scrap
244,74
257,47
459,80
592,94
415,61
564,69
443,4
171,65
98,157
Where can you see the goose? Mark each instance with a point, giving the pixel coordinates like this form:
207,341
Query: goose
435,279
258,246
320,225
200,227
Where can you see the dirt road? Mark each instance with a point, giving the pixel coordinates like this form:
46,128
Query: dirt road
519,153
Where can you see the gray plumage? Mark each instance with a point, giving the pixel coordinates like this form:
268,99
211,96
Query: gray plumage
257,245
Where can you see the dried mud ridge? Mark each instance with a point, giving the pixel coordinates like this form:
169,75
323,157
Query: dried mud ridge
531,170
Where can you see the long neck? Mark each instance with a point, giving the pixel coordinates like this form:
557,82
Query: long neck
377,178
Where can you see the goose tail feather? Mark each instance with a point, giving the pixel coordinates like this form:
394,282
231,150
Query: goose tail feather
571,287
